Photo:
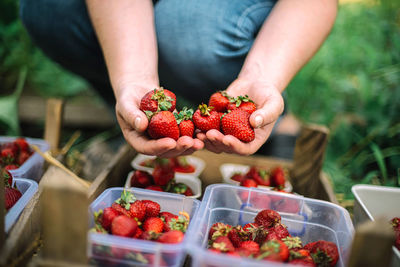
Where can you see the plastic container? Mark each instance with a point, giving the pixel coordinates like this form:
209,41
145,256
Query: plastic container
229,169
322,221
28,188
109,249
368,205
198,164
33,167
193,182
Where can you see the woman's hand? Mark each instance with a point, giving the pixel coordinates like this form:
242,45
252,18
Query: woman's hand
269,104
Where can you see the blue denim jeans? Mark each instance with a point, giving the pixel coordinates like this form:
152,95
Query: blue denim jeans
202,43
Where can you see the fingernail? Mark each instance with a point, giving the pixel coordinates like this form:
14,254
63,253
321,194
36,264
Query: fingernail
137,123
258,121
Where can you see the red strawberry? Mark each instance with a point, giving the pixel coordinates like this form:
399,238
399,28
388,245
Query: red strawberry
250,227
262,177
158,99
238,177
308,261
244,252
180,223
300,257
153,224
163,171
7,155
141,179
11,196
22,144
163,124
138,233
277,232
180,188
251,246
251,172
274,250
11,167
323,252
219,101
185,123
165,214
122,205
22,157
155,188
8,179
152,208
235,237
206,119
242,102
395,222
219,229
237,123
150,236
138,210
278,177
267,218
171,237
109,214
248,183
182,165
223,243
293,243
123,226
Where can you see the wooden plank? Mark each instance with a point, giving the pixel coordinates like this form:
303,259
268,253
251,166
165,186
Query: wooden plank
54,117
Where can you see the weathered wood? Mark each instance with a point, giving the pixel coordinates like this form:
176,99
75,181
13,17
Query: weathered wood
54,117
2,215
372,244
308,159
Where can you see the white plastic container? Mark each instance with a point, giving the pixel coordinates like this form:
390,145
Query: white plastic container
372,202
114,250
193,182
325,221
229,169
198,164
28,188
33,167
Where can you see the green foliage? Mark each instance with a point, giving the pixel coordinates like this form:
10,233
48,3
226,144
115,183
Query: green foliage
352,85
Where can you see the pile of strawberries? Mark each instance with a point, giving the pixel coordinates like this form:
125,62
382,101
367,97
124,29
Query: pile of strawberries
141,219
268,239
256,176
227,114
14,154
395,222
162,178
11,194
180,164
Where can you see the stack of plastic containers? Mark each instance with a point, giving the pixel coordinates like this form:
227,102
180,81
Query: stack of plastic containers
309,219
108,249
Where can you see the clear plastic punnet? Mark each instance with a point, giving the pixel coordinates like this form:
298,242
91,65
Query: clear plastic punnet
28,188
108,249
33,167
310,219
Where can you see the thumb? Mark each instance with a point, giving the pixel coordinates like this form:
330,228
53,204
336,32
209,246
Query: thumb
134,117
269,112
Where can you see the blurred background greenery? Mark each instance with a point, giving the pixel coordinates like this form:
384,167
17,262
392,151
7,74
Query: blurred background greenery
352,86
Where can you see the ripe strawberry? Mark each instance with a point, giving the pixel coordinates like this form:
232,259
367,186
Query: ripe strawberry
274,250
155,188
123,204
138,233
171,237
248,183
22,157
182,165
138,210
22,144
242,102
262,177
267,218
153,224
323,252
293,242
180,223
223,244
308,261
250,227
165,214
238,177
180,188
219,229
278,177
163,172
277,232
237,123
219,101
251,246
8,179
109,214
11,167
163,124
235,236
123,226
150,236
11,196
152,208
185,123
141,179
157,100
206,119
7,155
395,222
244,252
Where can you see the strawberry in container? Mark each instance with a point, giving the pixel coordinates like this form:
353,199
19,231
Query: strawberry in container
14,154
11,194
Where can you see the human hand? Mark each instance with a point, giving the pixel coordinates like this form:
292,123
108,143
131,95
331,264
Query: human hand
133,123
269,104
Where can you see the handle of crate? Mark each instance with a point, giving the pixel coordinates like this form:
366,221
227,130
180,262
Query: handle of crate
54,118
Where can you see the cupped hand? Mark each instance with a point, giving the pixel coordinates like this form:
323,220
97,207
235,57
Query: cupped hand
133,123
270,105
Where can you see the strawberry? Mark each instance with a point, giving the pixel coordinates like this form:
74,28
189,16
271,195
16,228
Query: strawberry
262,177
109,214
248,183
22,144
22,157
242,102
165,214
308,261
185,123
324,253
206,119
163,172
292,242
180,188
141,179
153,224
250,227
11,167
219,229
251,172
171,237
123,226
223,244
163,124
251,246
285,204
152,208
238,177
182,165
7,155
278,177
267,218
219,101
300,257
138,210
395,222
157,100
277,232
237,123
180,223
123,204
11,196
150,236
274,250
8,179
138,233
155,188
235,236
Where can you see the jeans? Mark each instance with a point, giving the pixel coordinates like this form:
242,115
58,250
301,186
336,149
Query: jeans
202,43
